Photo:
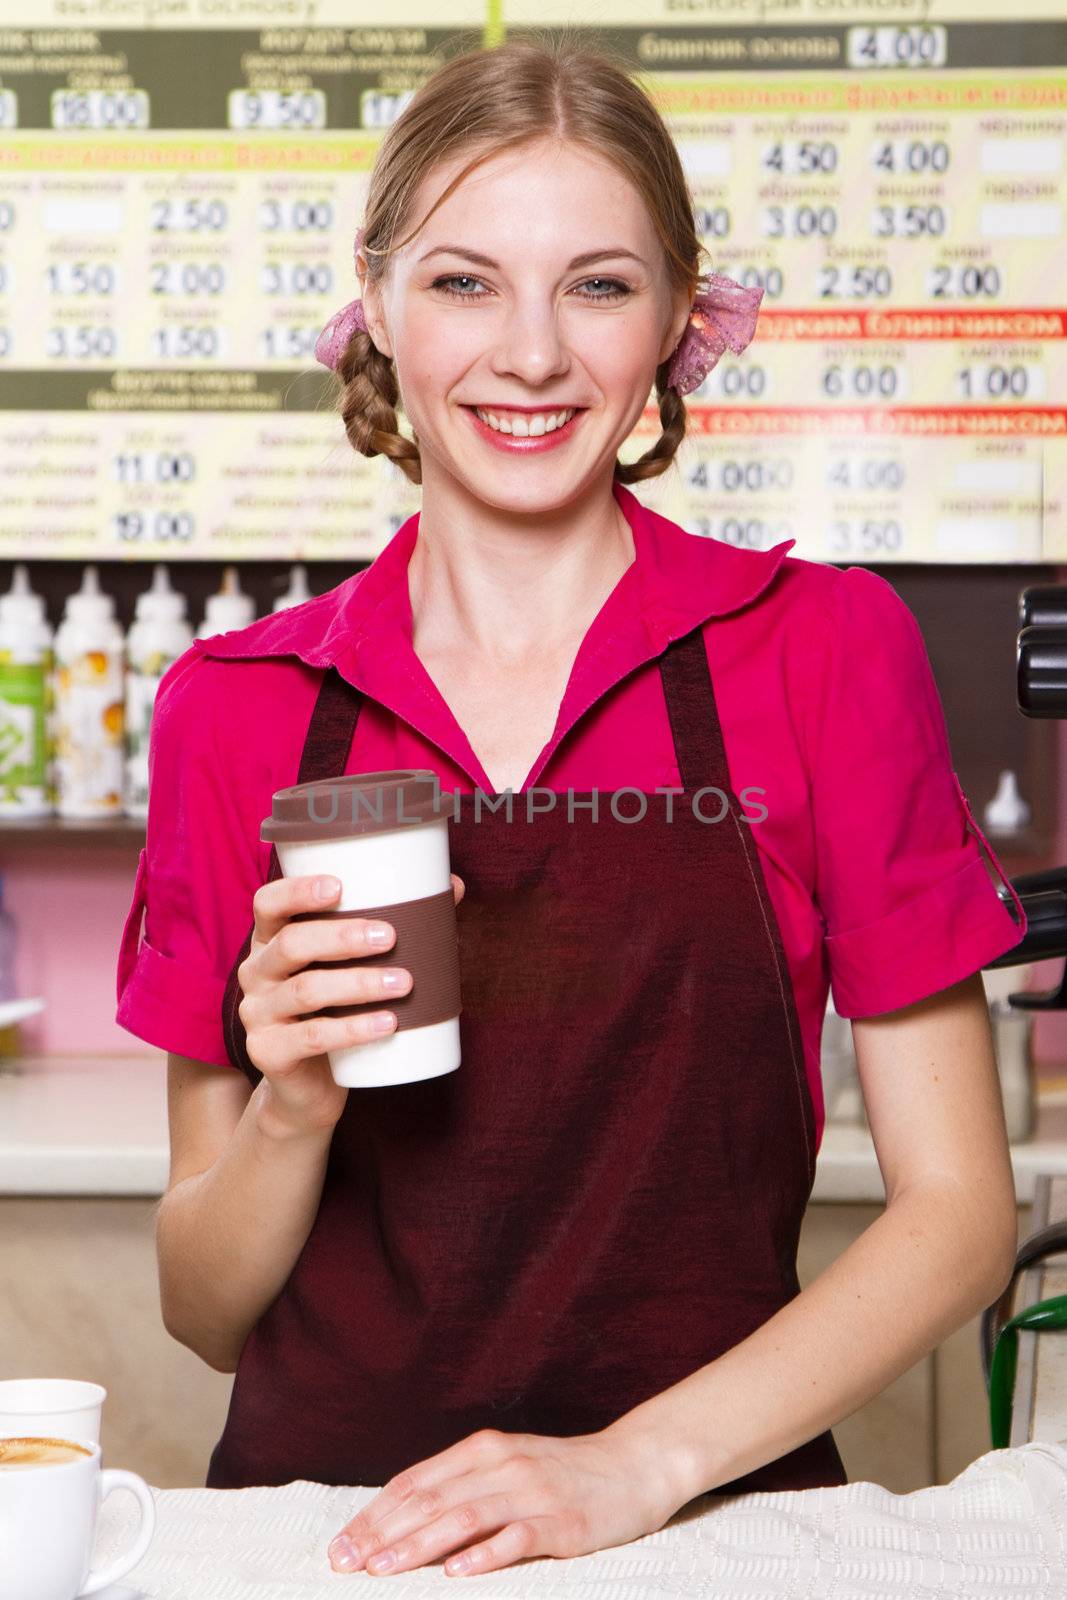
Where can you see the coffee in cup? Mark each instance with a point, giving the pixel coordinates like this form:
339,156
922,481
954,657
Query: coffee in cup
51,1489
385,836
18,1455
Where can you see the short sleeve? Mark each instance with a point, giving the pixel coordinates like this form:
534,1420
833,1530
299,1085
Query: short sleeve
909,902
196,875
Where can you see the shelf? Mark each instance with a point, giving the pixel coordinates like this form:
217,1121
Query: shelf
22,831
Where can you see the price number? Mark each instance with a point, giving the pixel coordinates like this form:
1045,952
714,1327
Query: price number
866,536
745,475
712,222
730,381
187,277
770,279
82,278
295,216
799,222
296,277
754,533
154,466
801,157
379,109
863,381
276,108
964,282
897,47
202,341
156,527
854,283
909,222
1000,381
288,343
866,474
85,342
189,216
911,155
100,108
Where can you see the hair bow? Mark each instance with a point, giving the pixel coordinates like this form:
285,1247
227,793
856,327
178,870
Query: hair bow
333,340
723,317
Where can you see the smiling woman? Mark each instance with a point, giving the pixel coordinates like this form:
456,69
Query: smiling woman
546,1299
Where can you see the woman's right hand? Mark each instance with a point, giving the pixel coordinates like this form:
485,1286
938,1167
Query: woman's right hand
285,1037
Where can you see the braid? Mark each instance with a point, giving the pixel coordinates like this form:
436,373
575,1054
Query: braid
368,405
672,422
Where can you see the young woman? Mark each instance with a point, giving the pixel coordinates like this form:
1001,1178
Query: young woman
547,1299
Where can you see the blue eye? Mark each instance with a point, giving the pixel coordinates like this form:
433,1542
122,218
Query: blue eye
614,288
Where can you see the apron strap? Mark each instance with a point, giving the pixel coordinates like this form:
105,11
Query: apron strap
693,713
325,755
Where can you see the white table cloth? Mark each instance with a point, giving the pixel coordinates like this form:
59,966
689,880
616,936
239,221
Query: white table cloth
999,1530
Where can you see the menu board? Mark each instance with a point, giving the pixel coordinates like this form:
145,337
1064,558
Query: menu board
180,181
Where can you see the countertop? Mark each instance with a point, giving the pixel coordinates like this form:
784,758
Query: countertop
98,1126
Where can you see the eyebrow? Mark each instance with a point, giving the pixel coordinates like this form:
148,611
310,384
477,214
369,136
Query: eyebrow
584,260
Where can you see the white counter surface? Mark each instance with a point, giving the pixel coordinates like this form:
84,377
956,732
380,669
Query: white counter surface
98,1126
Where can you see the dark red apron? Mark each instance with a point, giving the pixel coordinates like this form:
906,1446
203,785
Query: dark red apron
605,1196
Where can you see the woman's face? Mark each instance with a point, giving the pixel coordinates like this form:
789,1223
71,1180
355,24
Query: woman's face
539,287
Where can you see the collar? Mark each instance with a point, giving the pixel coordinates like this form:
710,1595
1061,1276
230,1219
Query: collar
363,626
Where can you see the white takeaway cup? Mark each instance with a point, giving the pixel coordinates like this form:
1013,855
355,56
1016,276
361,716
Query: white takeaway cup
385,836
69,1407
48,1515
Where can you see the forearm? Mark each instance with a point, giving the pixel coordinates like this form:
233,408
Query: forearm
924,1267
228,1238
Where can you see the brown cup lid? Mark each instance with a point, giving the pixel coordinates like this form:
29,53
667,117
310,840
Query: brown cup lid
355,804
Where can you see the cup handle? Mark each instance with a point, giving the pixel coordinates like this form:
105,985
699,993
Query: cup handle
113,1478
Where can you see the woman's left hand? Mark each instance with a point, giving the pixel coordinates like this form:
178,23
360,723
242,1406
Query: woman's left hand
494,1498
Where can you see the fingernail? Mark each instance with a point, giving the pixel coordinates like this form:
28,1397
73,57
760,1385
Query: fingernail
343,1553
378,933
384,1021
382,1561
394,980
326,888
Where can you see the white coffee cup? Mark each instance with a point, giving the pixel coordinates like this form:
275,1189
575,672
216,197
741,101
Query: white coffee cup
48,1515
385,836
65,1407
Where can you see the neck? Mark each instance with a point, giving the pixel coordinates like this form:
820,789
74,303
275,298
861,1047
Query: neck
507,587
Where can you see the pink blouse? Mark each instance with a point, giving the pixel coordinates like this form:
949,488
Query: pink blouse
832,725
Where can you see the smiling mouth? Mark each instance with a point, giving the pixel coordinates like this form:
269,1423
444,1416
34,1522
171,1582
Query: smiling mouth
525,424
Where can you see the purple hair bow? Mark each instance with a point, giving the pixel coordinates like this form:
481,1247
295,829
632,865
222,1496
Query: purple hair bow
723,317
333,340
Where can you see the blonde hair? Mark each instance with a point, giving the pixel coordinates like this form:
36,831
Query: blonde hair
496,99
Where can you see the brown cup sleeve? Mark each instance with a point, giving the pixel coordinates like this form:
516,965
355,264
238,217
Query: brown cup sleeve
427,944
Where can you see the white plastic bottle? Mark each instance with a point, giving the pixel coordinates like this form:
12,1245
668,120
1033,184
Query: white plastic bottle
228,609
25,702
89,709
158,635
297,591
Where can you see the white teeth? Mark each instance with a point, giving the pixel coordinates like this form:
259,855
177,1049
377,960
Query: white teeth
526,425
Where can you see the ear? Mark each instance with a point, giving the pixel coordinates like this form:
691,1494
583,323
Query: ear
373,309
681,306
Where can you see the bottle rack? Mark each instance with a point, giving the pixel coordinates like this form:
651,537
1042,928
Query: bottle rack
55,579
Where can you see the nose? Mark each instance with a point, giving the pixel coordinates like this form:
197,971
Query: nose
530,345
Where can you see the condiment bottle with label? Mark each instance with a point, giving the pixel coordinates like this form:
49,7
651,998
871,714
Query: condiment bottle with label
159,634
89,704
25,702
